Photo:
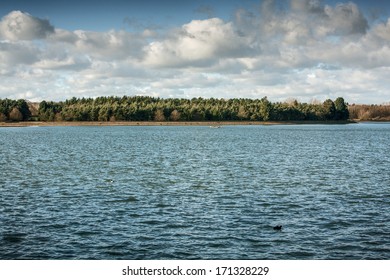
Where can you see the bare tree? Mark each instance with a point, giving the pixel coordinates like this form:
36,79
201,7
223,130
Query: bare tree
15,115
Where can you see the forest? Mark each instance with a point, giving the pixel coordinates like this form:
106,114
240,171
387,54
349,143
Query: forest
144,108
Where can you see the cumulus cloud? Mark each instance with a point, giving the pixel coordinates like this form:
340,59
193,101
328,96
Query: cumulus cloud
346,19
198,43
22,26
308,20
306,50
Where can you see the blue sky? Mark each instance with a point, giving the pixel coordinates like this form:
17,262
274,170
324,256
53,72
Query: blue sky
105,15
304,49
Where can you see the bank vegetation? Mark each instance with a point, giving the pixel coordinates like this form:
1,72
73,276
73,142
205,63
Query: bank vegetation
369,112
143,108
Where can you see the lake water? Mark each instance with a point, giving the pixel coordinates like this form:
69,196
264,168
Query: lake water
195,192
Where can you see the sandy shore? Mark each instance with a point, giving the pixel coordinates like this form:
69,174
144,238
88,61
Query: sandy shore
153,123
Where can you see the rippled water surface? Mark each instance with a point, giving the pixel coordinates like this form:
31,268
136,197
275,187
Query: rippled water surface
195,192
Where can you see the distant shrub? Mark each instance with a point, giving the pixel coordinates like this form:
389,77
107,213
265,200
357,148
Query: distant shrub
15,115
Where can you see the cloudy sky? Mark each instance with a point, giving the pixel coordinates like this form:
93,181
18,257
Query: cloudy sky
282,49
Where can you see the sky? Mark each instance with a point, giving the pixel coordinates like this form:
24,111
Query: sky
309,50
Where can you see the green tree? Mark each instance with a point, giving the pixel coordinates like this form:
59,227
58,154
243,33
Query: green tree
104,113
24,109
342,112
329,110
242,113
265,109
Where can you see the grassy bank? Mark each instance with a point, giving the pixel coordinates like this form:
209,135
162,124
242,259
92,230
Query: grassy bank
154,123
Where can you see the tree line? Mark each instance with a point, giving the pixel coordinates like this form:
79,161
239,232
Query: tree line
370,112
144,108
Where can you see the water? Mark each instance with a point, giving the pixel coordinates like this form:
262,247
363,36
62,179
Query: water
195,192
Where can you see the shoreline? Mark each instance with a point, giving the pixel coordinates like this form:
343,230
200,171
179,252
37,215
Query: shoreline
167,123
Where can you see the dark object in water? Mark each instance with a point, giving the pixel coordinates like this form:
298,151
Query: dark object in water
277,227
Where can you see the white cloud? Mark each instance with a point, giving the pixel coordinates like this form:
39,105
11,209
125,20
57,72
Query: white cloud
22,26
308,50
199,43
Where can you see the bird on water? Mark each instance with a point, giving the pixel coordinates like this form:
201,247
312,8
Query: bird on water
277,227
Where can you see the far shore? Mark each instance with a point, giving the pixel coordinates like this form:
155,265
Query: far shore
167,123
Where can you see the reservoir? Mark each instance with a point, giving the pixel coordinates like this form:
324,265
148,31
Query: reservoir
192,192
